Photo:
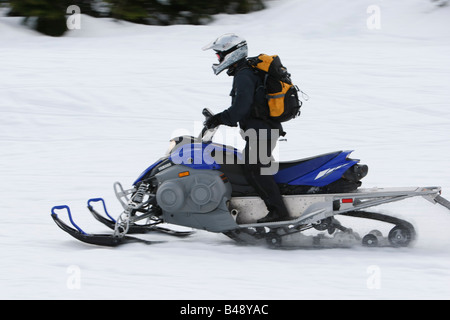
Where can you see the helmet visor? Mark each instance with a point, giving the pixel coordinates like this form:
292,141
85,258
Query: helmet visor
220,55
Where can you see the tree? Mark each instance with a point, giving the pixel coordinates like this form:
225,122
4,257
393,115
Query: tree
50,14
131,10
167,12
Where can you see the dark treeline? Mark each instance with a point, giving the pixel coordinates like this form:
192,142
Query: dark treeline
49,16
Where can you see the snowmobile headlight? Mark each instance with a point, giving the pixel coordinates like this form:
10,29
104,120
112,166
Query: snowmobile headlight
172,145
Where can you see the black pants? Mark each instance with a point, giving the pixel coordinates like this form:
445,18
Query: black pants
258,159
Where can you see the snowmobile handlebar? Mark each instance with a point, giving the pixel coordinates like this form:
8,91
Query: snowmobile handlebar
207,113
207,134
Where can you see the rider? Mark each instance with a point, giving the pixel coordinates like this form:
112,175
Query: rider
248,91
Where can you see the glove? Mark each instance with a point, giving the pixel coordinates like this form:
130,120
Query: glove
214,121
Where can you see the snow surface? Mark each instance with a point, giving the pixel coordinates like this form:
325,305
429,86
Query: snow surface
100,105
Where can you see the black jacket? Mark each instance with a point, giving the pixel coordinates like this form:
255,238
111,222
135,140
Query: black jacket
248,90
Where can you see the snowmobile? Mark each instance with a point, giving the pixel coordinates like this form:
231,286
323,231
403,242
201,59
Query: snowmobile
200,184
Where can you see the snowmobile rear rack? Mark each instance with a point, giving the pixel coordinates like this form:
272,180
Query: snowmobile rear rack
320,206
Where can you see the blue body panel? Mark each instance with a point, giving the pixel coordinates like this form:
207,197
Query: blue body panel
147,171
317,171
298,169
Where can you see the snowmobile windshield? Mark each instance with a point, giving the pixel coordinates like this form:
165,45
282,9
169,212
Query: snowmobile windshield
208,135
172,145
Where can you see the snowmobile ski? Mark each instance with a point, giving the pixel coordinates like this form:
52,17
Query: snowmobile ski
133,228
108,240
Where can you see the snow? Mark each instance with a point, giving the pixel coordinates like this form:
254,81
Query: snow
100,105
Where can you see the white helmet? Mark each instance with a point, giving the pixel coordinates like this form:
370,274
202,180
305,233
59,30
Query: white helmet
229,48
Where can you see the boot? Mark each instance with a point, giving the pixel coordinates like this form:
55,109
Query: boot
274,216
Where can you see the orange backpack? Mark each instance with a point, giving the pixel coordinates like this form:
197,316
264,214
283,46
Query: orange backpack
283,103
